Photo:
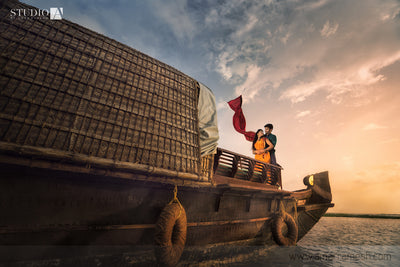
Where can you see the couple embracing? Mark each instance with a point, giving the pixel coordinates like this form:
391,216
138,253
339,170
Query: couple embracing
264,145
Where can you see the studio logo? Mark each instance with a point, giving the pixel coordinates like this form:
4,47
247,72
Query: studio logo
55,13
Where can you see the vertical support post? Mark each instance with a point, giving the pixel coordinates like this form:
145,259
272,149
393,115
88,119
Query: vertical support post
216,159
250,170
235,164
248,202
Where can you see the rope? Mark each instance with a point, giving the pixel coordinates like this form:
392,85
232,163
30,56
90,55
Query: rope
176,200
281,207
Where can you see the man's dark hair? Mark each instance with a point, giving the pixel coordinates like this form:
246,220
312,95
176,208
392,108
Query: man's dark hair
269,125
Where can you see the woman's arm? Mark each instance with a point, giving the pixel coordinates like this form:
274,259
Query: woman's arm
257,151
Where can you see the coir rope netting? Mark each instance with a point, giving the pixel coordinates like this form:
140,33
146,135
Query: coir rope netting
67,88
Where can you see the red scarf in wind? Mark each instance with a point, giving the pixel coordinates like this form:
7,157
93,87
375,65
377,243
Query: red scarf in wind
239,122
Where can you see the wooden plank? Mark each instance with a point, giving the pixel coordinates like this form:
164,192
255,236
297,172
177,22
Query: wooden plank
302,194
30,229
54,159
315,206
236,184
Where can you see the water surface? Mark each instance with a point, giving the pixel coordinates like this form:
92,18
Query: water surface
336,241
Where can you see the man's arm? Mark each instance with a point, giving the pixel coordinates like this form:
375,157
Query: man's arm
272,138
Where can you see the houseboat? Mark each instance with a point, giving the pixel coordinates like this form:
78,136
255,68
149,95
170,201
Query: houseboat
102,145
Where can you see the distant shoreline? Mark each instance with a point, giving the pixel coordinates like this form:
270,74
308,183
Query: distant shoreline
375,216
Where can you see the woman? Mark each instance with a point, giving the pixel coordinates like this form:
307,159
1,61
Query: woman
261,147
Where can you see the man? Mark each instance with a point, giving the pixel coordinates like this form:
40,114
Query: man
271,137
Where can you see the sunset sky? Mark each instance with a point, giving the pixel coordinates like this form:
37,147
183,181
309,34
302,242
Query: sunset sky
326,73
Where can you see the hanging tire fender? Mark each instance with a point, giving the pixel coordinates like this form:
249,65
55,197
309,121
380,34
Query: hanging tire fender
170,234
278,224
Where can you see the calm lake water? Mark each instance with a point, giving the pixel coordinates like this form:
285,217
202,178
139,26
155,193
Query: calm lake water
339,242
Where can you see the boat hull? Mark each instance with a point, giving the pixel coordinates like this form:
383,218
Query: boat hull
57,207
44,208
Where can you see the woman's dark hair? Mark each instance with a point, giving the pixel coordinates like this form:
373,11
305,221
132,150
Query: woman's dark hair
256,138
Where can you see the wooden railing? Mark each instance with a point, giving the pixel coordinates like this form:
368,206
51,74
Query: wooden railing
231,164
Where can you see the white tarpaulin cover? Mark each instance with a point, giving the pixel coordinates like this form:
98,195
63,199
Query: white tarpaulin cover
207,121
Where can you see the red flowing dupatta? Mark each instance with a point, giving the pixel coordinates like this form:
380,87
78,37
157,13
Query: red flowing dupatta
239,122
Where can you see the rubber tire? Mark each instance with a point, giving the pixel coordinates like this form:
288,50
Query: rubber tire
277,230
170,234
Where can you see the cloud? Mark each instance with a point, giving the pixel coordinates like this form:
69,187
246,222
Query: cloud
88,22
177,16
252,82
222,105
311,5
247,28
300,92
373,126
299,48
303,114
329,29
353,76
